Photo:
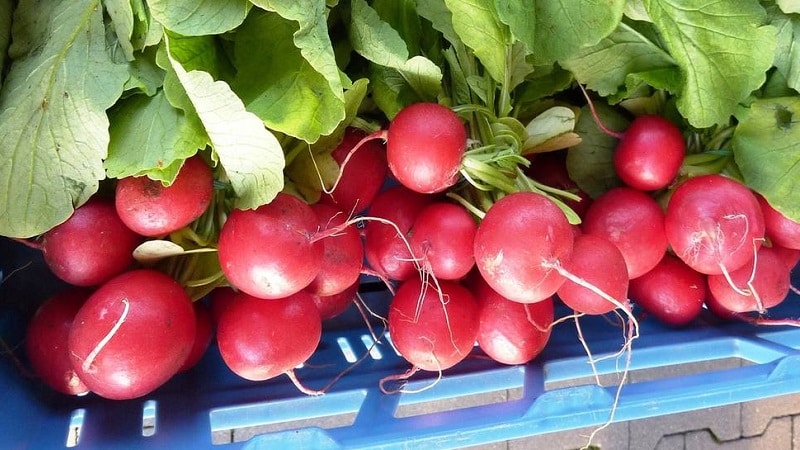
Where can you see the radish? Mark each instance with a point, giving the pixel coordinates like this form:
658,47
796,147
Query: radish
650,152
271,251
599,262
150,208
551,169
714,224
204,334
132,334
432,327
756,287
46,341
387,252
343,254
260,339
443,238
219,300
363,175
634,222
425,144
331,306
519,241
672,292
90,247
510,332
780,229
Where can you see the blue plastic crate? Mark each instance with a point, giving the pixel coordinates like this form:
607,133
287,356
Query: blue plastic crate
210,400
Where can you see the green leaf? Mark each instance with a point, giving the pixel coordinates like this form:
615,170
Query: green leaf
278,84
562,28
312,36
145,75
6,12
766,147
590,164
148,137
606,66
381,44
121,13
436,12
479,27
789,6
787,52
53,123
199,17
251,156
521,20
723,51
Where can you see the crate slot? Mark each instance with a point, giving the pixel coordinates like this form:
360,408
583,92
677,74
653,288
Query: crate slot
241,423
347,349
149,411
371,346
430,395
75,424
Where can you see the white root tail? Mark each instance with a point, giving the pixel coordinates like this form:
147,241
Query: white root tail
87,363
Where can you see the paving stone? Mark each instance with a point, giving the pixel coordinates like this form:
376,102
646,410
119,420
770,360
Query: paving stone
777,436
756,415
669,442
613,437
724,422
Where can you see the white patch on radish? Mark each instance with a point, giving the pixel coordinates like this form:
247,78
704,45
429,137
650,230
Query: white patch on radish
87,363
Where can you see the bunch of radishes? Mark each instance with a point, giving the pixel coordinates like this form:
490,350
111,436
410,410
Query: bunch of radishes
459,273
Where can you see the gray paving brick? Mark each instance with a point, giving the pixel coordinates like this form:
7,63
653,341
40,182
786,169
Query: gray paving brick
723,422
613,437
777,436
756,415
796,432
669,442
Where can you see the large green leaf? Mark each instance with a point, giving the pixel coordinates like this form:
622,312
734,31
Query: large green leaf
787,52
766,147
311,37
6,11
53,123
723,50
479,27
251,156
606,66
591,162
521,20
148,137
381,44
562,28
278,83
199,17
122,21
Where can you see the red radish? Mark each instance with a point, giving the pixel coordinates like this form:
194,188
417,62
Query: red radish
443,237
150,208
714,224
599,262
634,222
650,151
753,288
343,254
204,334
510,332
271,251
362,176
260,339
551,169
331,306
219,300
672,292
91,247
780,229
520,240
387,252
132,334
425,144
789,256
433,328
46,341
